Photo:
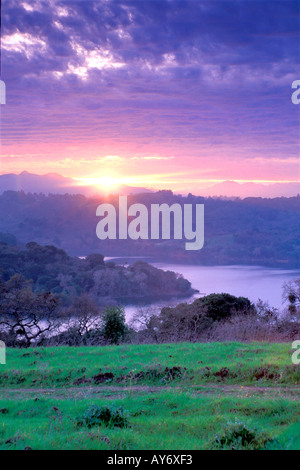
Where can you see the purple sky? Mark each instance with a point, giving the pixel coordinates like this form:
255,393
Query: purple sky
161,93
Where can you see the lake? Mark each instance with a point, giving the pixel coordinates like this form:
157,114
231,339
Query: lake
253,282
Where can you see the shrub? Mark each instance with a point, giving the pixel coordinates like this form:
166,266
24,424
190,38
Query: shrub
114,326
240,436
105,415
221,306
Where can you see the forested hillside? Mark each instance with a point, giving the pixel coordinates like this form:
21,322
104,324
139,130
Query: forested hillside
51,269
249,231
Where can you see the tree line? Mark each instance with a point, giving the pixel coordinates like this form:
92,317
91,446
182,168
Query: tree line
51,270
249,231
30,318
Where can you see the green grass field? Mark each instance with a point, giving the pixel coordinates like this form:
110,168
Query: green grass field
177,396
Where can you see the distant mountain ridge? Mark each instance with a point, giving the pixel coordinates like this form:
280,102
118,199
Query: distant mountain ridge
53,183
243,190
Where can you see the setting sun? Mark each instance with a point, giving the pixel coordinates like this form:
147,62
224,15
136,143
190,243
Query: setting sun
103,181
107,181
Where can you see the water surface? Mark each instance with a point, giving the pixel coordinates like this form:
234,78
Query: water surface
254,282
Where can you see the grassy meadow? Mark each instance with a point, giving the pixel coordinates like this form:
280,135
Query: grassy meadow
175,396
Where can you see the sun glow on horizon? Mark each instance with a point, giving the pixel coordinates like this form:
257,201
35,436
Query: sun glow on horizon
104,181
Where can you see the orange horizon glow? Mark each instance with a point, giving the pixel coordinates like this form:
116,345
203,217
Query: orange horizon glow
193,108
111,165
108,180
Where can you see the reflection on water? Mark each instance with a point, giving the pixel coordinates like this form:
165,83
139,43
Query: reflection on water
253,282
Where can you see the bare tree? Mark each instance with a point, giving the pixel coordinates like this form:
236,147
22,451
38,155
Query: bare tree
25,316
291,293
145,322
264,312
85,315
